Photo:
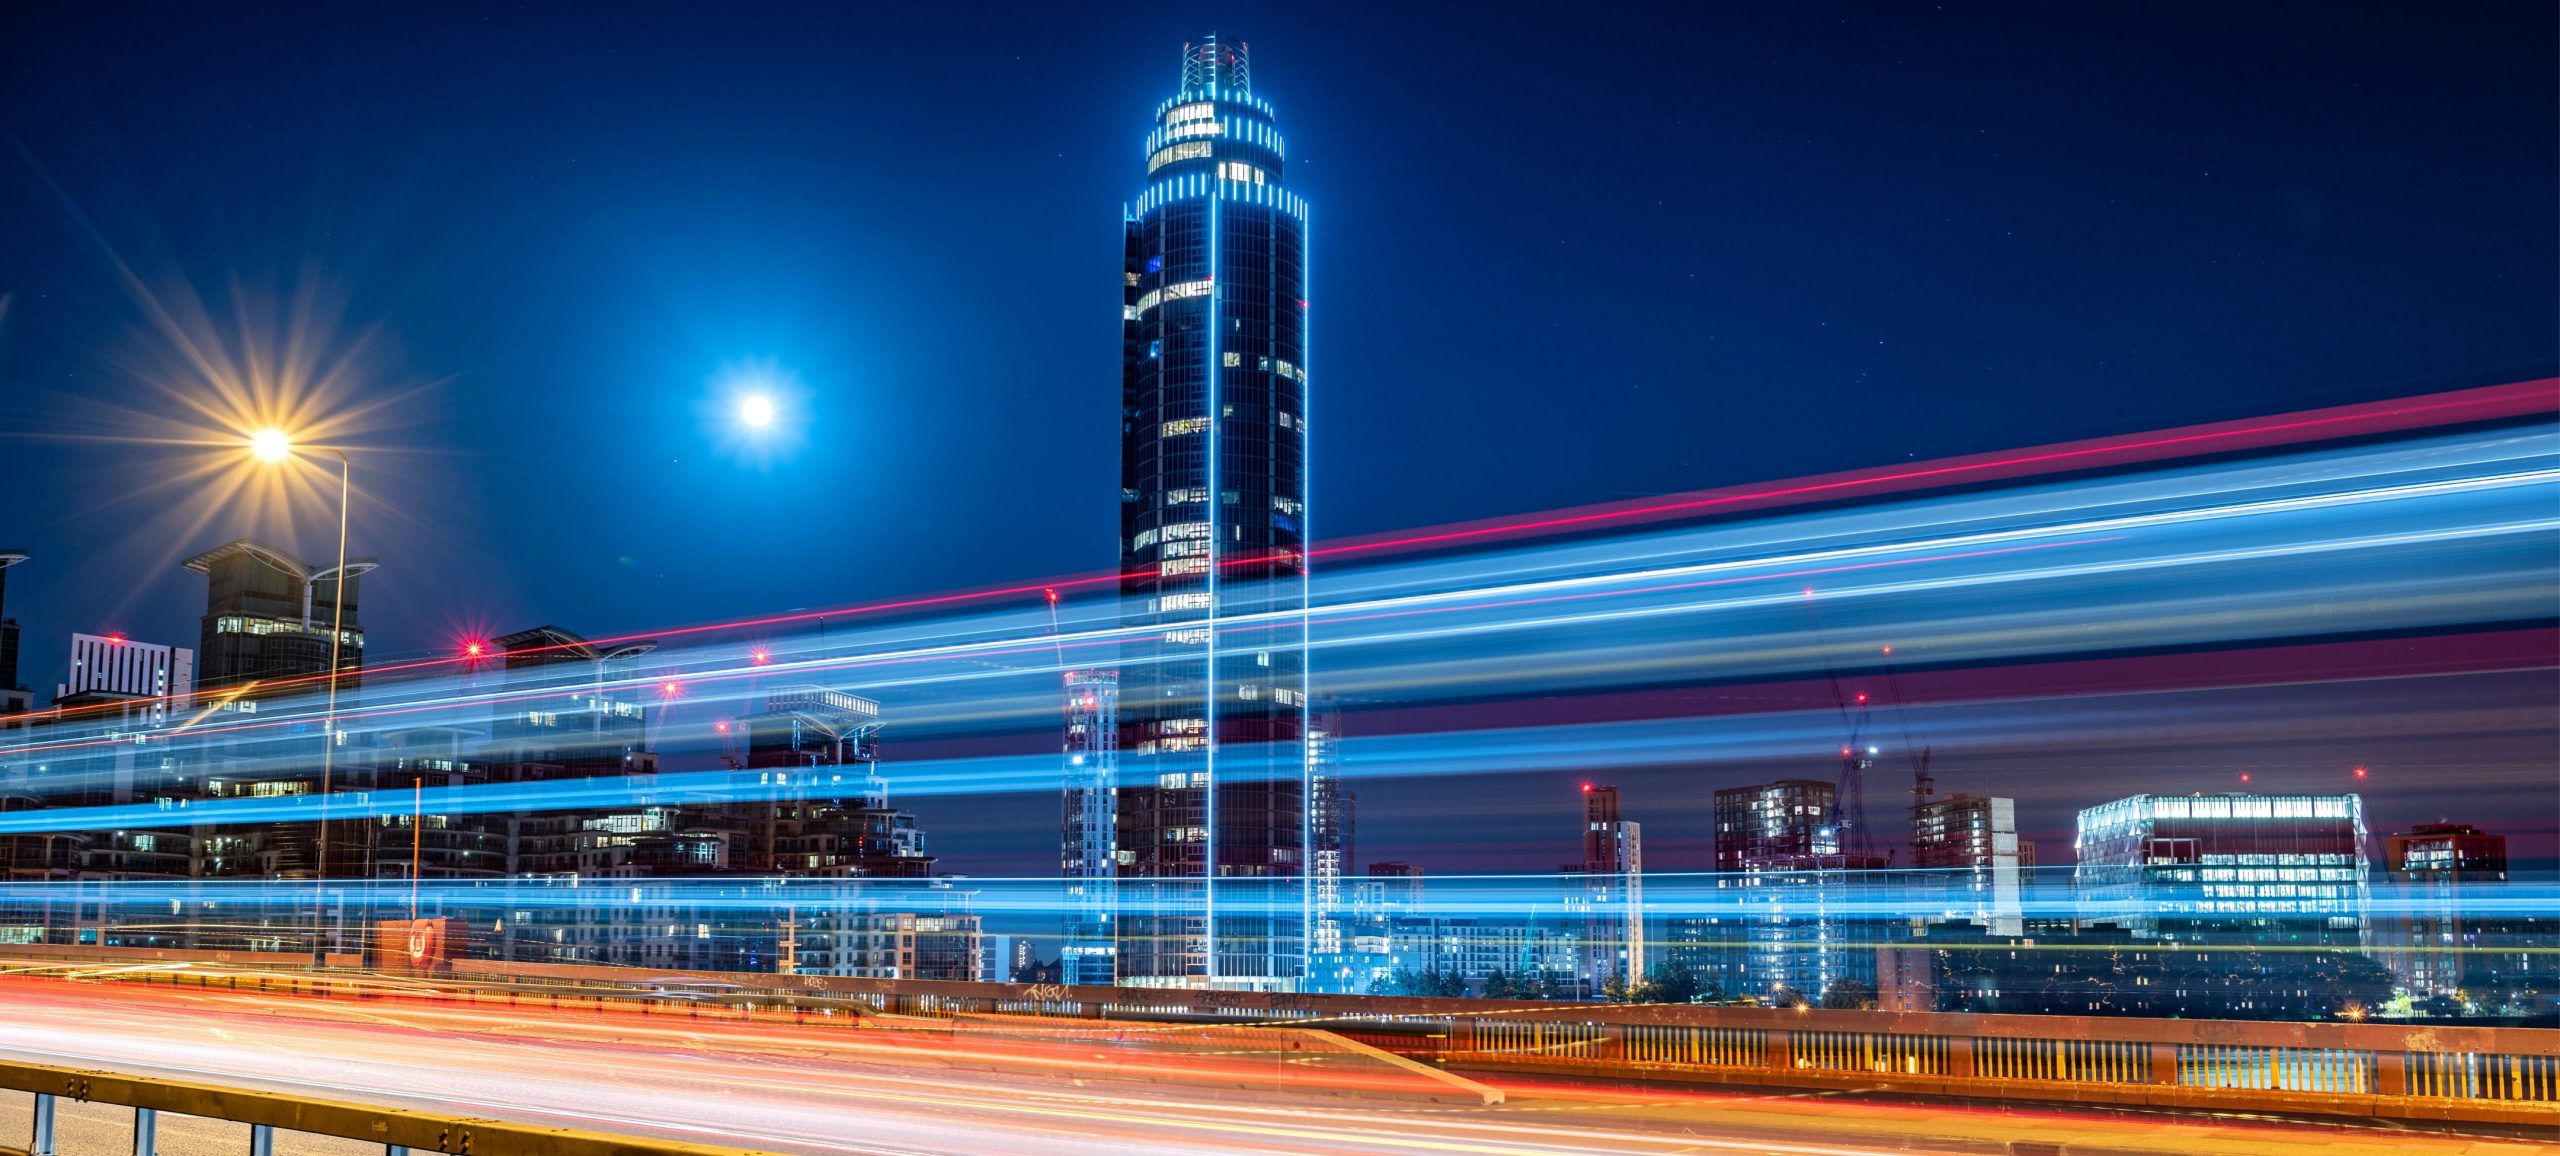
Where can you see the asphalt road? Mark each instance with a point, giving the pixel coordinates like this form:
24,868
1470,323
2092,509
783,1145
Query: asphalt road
990,1088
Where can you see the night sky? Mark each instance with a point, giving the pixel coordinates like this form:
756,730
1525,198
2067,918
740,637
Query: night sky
1561,255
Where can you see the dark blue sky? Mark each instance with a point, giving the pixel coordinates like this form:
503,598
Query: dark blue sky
1562,254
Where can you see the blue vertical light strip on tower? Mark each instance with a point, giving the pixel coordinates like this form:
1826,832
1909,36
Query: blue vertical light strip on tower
1306,604
1209,687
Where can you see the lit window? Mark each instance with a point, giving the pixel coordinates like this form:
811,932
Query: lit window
1144,539
1191,150
1180,566
1239,172
1174,292
1188,425
1183,602
1234,359
1199,110
1186,495
1182,530
1195,128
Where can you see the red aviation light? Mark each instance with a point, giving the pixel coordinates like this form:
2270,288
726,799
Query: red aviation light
116,638
669,689
2360,772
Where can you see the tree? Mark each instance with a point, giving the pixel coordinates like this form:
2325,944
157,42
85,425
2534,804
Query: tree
1849,995
1498,985
1670,981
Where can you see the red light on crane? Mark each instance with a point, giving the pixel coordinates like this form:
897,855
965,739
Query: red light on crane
1862,698
1586,788
2360,772
2244,776
668,689
722,726
759,657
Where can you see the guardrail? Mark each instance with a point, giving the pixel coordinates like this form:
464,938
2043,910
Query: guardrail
2397,1071
2483,1075
399,1131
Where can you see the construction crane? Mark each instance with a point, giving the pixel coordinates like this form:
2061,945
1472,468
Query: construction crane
1924,787
1848,816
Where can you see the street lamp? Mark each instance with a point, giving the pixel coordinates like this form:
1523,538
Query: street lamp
275,447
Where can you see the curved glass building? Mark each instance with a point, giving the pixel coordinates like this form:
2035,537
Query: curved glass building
1212,836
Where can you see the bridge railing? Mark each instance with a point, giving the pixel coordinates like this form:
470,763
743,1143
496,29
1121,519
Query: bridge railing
2403,1071
2411,1071
270,1115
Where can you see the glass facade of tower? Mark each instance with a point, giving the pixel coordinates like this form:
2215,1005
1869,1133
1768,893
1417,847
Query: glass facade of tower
1213,835
2226,868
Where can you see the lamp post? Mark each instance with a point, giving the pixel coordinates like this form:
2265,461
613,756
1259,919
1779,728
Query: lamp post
274,446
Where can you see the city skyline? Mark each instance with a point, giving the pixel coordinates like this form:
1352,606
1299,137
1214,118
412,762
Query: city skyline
423,537
1943,576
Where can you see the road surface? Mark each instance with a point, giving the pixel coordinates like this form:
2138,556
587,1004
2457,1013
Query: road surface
834,1089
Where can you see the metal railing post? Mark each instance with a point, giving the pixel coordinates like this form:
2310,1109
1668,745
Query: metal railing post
146,1132
41,1142
262,1140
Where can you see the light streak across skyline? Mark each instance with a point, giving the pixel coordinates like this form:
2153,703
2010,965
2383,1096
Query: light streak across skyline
2430,533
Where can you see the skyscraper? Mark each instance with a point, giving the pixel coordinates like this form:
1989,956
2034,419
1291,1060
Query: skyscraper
267,618
1969,848
1786,819
1213,815
1611,892
14,698
107,667
1333,827
1088,953
2445,937
1810,912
